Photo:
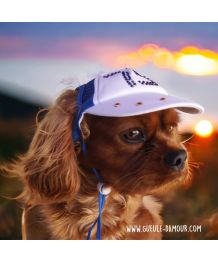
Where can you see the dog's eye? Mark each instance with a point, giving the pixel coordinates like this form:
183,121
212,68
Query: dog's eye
133,136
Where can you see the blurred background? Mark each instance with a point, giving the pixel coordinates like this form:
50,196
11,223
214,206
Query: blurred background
40,60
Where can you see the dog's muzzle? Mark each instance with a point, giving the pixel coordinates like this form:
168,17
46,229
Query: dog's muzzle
175,160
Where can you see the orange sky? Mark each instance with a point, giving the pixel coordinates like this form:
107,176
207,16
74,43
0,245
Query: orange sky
189,60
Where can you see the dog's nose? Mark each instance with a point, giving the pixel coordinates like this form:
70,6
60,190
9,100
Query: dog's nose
175,159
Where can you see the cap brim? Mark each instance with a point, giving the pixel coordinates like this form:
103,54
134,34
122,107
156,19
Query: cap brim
142,103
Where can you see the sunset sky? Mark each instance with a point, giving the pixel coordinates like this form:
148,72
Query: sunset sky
39,60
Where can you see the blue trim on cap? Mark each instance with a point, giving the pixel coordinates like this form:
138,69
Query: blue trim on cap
81,108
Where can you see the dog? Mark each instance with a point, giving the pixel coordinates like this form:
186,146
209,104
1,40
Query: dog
137,156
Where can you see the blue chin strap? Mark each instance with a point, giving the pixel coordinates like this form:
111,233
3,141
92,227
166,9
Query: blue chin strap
84,101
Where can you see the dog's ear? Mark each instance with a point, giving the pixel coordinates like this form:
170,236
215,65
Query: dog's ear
50,169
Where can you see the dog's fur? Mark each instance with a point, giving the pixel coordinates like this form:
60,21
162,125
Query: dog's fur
60,194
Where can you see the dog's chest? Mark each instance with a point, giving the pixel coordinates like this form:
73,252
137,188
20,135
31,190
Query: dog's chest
119,214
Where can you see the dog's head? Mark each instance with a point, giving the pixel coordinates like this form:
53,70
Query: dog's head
134,154
137,154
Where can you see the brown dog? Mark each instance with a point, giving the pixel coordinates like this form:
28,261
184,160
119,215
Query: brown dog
137,156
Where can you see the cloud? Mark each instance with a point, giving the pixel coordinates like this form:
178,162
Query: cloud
189,60
100,50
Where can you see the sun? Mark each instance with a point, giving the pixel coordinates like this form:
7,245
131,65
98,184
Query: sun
196,64
204,128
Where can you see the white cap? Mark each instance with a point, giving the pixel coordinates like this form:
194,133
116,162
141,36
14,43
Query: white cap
127,93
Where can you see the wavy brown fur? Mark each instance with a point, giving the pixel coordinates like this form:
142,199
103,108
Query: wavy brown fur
60,196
